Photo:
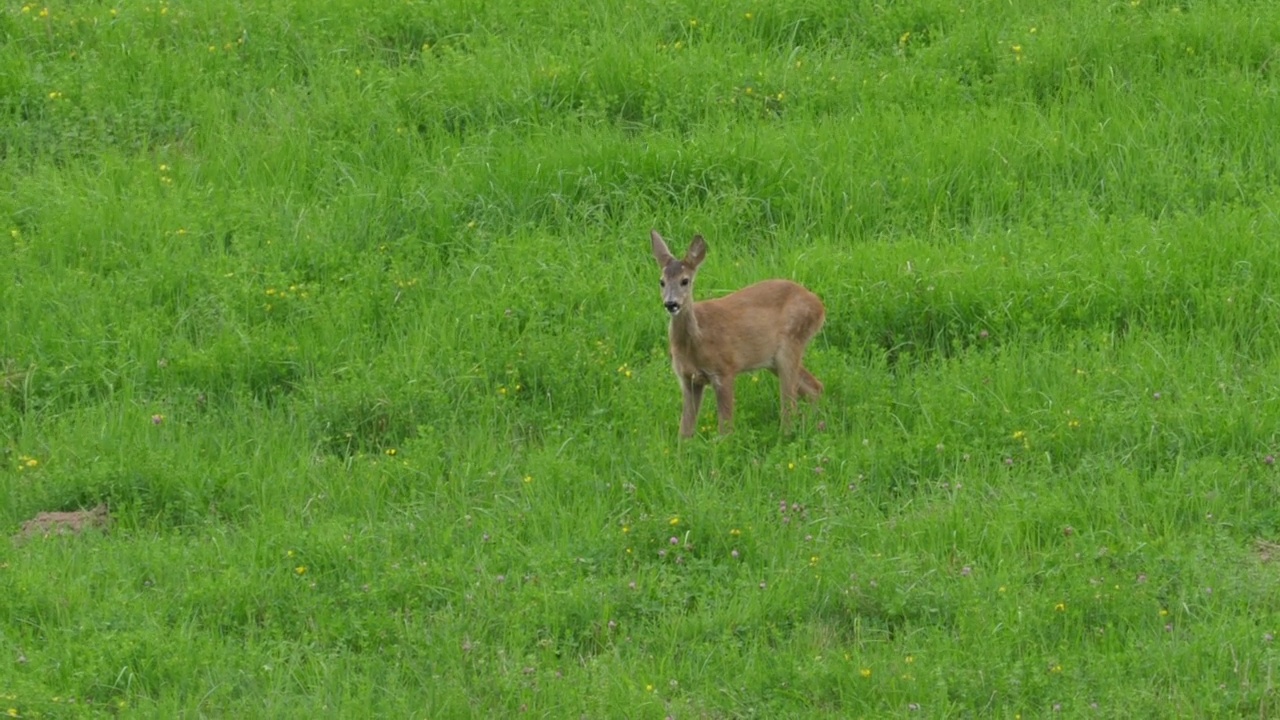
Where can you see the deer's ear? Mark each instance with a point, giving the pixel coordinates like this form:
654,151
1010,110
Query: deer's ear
697,252
660,251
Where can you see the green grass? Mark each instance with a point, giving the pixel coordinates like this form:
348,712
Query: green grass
347,310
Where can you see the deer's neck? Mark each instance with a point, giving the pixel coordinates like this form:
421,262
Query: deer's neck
684,329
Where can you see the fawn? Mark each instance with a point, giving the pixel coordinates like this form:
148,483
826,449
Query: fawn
766,325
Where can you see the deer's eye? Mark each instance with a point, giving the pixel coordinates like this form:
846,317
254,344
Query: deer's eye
662,283
684,281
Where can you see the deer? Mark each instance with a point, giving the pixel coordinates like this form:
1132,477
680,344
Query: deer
765,325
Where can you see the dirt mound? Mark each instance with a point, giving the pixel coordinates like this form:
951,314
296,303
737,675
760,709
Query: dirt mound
64,523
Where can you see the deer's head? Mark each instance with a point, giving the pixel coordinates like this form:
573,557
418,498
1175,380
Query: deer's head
678,275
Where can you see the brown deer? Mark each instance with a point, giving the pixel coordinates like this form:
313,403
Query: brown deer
766,325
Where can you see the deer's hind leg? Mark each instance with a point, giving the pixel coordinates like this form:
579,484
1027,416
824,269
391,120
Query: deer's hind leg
791,382
794,381
810,386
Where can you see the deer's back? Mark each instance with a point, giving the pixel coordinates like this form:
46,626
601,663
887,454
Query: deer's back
763,303
754,322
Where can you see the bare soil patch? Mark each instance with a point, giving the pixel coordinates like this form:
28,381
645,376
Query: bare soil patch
47,524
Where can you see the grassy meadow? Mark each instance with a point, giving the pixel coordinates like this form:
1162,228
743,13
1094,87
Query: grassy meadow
347,311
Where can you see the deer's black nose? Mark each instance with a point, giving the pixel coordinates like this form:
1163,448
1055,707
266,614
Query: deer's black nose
672,306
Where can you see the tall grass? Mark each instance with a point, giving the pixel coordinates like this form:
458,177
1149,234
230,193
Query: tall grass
346,309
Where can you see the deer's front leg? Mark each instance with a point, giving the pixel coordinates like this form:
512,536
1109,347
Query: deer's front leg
692,391
723,385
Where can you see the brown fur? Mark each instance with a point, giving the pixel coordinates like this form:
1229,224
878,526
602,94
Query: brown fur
64,523
766,325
